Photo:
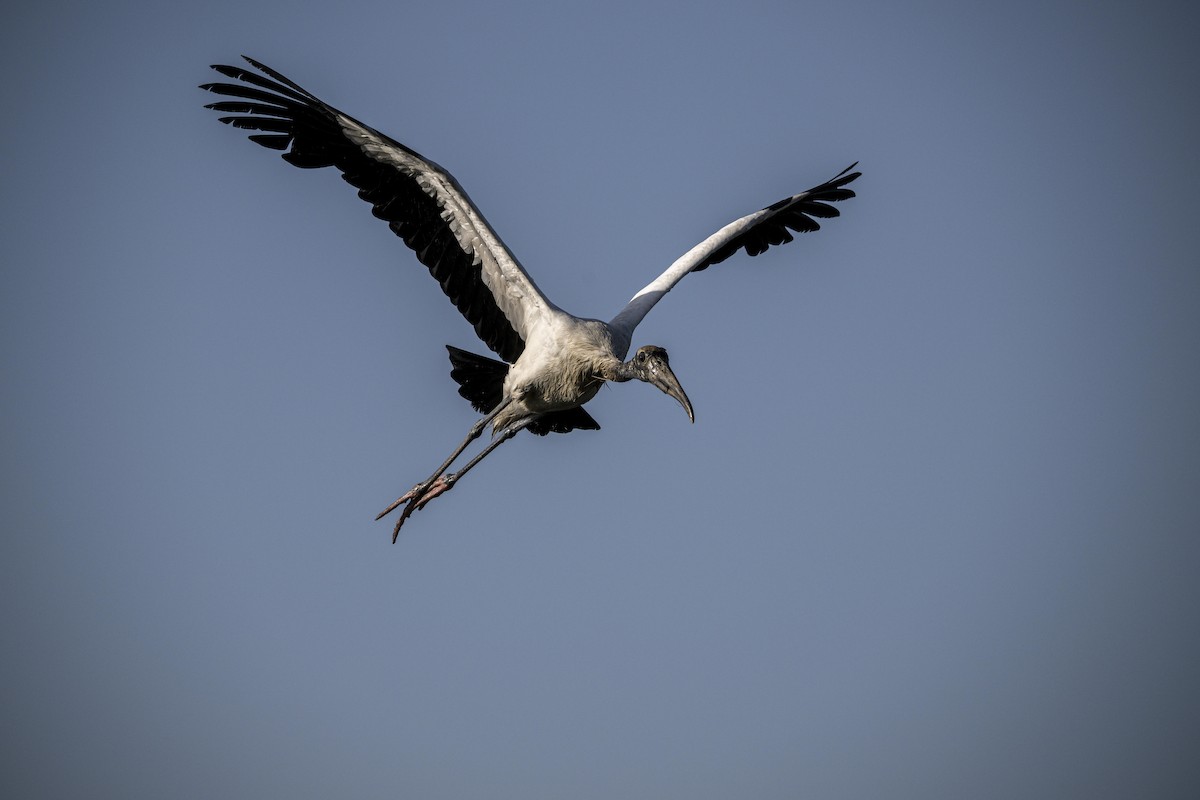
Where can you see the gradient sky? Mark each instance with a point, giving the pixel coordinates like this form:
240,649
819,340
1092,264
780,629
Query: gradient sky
934,534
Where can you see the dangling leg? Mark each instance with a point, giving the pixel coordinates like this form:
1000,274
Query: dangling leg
441,484
421,487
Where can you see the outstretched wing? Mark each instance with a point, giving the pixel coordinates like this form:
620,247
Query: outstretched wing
755,232
421,202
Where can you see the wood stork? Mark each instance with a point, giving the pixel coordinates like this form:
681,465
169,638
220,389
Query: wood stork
553,362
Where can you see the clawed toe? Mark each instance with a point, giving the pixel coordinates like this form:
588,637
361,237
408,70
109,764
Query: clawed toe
416,498
438,487
404,498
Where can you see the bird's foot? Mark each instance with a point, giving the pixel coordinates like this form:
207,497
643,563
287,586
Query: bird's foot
442,485
396,503
416,498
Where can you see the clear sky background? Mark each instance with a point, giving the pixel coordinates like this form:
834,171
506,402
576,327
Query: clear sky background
935,532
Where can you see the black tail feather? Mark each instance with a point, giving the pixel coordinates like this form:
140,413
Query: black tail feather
481,382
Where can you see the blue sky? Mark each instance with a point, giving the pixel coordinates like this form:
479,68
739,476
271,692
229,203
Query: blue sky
933,534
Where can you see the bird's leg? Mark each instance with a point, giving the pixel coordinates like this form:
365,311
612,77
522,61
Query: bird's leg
444,483
475,432
447,482
418,491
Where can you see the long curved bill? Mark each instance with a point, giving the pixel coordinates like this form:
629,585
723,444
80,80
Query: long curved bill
662,377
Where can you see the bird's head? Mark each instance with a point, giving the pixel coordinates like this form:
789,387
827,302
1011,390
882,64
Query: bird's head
651,364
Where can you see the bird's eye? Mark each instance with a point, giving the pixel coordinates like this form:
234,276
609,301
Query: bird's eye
640,357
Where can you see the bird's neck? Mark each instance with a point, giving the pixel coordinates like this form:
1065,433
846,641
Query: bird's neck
615,370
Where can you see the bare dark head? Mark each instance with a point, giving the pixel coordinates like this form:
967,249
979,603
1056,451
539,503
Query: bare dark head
651,364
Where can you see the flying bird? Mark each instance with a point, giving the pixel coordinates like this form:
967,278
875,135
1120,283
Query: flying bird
552,362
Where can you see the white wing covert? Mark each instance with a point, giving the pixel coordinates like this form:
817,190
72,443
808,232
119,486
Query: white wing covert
755,233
